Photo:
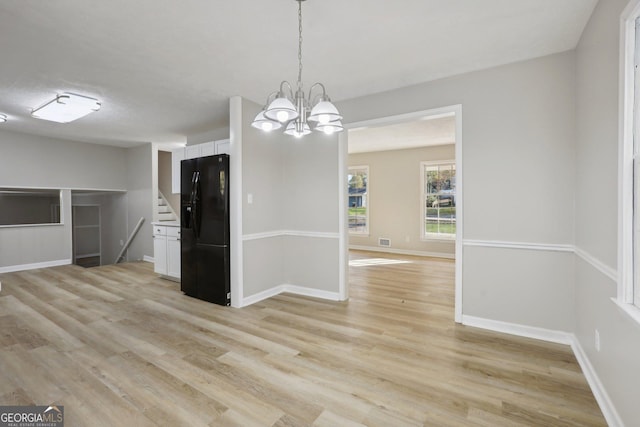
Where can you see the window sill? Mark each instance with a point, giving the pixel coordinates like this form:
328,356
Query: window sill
436,238
630,309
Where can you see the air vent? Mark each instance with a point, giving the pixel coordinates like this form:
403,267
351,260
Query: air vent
384,242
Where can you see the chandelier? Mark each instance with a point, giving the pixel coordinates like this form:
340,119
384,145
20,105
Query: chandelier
295,111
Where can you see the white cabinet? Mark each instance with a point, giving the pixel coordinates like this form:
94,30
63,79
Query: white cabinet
166,250
223,146
211,148
173,252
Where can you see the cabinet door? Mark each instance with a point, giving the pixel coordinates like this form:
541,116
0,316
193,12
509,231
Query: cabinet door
223,146
192,151
207,149
176,157
160,254
173,257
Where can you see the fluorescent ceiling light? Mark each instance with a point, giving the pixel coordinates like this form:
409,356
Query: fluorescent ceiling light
66,108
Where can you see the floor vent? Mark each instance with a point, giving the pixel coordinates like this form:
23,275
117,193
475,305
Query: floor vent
384,242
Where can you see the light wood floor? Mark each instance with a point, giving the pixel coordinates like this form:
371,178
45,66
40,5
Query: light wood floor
118,346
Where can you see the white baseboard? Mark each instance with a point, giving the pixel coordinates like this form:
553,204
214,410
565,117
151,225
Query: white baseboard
147,258
292,289
311,292
602,397
560,337
550,335
271,292
402,251
45,264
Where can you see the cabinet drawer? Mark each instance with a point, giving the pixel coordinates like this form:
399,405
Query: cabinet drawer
173,231
159,230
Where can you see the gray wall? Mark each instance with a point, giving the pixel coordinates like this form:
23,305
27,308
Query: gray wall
262,177
394,198
34,161
139,161
596,222
294,185
38,244
518,138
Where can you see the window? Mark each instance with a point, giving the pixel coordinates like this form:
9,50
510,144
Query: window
358,180
438,206
24,206
629,169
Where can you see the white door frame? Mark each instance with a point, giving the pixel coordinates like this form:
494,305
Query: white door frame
342,159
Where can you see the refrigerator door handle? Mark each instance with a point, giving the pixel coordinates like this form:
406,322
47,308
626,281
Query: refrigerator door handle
194,204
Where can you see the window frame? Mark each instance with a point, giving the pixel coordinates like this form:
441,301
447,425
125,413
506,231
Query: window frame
429,237
629,129
367,230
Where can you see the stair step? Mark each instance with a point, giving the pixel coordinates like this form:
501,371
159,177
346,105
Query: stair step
163,209
166,216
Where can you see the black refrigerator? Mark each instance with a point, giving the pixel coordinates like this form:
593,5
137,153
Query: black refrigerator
204,228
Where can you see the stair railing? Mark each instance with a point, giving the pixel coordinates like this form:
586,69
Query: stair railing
129,240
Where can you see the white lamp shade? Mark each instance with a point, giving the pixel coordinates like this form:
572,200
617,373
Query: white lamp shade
282,110
66,108
262,123
330,128
324,112
291,130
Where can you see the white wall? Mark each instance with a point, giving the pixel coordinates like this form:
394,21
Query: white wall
597,58
518,138
290,230
394,198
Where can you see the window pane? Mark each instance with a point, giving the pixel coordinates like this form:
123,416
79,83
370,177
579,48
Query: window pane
358,206
439,200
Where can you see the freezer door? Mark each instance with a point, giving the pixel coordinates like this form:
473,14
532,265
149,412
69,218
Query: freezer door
213,274
188,274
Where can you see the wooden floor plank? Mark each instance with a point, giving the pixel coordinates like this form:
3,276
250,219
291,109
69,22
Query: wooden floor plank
117,345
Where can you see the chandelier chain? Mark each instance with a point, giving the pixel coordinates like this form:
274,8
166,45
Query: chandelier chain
299,44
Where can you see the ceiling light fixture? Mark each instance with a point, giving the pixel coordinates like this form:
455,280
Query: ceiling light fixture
3,118
66,108
294,111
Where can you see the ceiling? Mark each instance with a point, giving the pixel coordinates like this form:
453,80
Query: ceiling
165,69
419,132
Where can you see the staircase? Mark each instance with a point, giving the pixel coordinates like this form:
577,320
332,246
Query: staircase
165,213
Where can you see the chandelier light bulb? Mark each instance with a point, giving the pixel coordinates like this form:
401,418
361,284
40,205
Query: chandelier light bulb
267,126
282,116
324,118
328,130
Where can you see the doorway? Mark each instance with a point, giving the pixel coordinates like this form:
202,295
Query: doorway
404,187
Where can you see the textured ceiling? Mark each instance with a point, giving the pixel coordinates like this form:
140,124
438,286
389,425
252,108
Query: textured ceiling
164,69
428,131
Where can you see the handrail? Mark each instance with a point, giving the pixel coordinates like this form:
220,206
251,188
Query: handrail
126,245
